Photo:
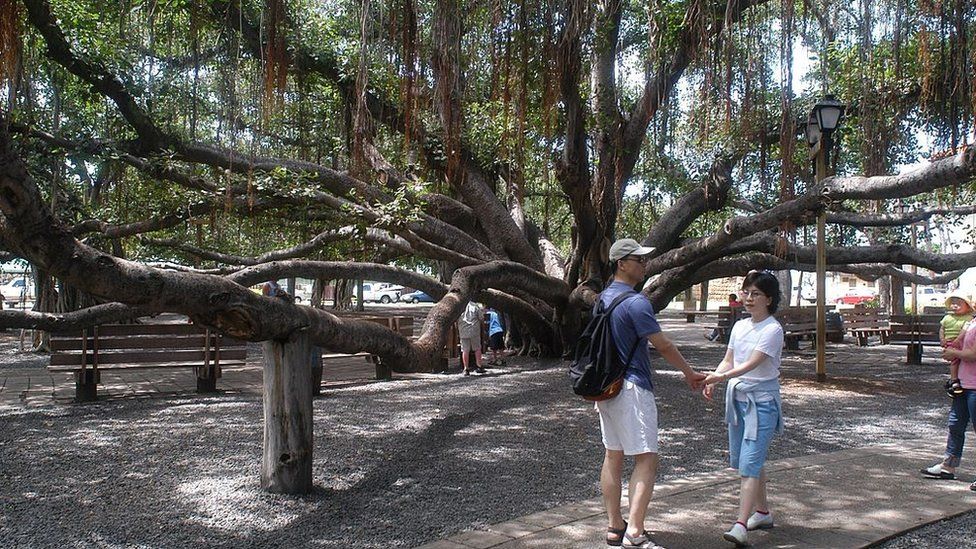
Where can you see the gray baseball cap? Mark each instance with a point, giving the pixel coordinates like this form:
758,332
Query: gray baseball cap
628,246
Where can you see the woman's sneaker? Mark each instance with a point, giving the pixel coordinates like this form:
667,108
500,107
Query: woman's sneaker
737,535
936,471
759,521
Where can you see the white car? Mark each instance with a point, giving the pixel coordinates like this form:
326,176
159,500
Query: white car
18,290
927,296
384,293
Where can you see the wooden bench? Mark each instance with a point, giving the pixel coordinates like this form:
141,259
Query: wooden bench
864,323
87,353
725,318
915,332
692,316
801,323
400,324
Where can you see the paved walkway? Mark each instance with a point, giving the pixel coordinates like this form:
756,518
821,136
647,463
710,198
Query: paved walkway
850,498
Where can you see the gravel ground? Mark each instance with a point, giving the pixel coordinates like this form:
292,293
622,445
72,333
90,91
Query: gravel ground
953,533
407,462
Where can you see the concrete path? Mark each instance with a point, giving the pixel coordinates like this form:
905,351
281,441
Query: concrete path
850,498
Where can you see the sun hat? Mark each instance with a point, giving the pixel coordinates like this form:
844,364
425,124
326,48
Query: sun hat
966,300
628,246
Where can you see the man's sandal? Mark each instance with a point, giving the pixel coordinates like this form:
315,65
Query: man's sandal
615,536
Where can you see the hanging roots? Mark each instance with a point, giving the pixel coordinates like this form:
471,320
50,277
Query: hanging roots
275,57
9,39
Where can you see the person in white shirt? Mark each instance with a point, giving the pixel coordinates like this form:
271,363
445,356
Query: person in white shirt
753,409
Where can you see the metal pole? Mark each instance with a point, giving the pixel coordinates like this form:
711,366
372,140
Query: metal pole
822,149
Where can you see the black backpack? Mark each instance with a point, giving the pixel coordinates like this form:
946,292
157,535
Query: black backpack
597,371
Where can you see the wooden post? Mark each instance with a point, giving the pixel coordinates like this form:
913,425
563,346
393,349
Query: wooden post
286,465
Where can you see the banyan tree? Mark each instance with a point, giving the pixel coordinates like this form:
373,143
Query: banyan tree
500,144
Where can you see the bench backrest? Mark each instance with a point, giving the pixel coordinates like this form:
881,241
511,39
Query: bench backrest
144,344
920,328
865,318
402,325
797,318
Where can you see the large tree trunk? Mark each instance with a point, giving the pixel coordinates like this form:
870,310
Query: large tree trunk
286,465
897,296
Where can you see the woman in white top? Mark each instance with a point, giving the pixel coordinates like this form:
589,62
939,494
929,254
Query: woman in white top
752,400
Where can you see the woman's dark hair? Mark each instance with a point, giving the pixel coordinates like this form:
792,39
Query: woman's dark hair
767,284
733,297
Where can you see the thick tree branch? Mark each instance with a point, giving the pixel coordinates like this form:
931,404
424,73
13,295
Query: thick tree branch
75,320
895,219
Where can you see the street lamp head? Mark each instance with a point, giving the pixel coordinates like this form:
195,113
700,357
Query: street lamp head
812,130
828,112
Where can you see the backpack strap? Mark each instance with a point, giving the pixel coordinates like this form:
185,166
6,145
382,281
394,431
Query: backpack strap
617,301
613,305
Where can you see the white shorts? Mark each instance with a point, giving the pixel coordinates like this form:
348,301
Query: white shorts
629,421
471,343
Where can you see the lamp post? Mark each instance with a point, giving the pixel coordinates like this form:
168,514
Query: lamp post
823,120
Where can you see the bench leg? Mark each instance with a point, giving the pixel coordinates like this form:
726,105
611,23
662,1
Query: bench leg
207,379
792,343
689,318
914,354
383,372
86,385
315,358
206,385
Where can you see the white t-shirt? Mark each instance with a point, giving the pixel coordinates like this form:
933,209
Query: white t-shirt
765,337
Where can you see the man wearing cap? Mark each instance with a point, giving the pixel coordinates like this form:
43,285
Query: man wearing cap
629,420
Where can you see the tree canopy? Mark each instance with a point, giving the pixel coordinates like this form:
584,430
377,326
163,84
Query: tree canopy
506,142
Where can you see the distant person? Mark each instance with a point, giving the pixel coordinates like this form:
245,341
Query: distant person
469,330
962,412
496,338
271,288
753,408
960,311
628,421
734,306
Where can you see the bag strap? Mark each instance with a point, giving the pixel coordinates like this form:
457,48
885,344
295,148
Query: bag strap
617,301
613,305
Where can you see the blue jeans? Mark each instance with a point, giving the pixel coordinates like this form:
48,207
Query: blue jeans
962,413
749,456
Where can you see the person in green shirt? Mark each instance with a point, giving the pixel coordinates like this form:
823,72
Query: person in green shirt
951,325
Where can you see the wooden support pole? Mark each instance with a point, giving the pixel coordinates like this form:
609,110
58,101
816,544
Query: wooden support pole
286,465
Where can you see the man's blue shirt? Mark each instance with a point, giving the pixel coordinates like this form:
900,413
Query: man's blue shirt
632,320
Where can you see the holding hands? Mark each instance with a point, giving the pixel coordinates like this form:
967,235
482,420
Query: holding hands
713,377
695,380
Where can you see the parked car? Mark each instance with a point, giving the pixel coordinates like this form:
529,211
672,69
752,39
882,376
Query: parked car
17,290
927,296
416,297
384,293
855,296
